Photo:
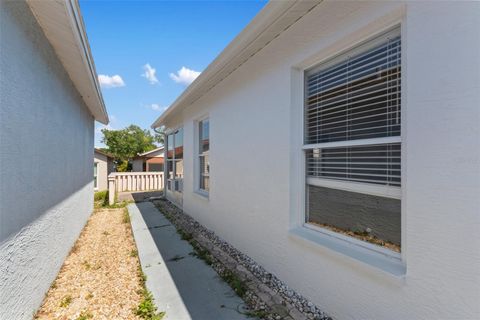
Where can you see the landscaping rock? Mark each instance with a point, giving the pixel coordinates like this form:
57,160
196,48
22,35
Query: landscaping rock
267,296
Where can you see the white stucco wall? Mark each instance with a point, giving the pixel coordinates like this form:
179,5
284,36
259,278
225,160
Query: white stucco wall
46,150
255,156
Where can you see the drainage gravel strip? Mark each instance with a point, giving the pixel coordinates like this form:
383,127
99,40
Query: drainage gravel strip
265,294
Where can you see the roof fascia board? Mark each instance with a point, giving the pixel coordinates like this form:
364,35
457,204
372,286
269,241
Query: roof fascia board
260,25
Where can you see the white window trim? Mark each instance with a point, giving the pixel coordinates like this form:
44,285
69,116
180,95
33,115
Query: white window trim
381,259
166,160
196,188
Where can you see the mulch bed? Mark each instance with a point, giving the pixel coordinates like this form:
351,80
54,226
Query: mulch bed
99,279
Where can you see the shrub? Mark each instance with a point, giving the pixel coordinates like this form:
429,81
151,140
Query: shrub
100,196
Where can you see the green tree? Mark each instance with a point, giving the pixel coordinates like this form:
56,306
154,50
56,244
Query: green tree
126,143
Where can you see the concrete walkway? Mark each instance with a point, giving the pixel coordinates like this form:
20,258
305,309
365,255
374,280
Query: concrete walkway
182,285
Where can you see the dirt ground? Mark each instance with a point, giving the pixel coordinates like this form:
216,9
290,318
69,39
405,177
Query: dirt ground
99,279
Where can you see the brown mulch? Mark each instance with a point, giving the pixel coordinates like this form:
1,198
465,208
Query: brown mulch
99,279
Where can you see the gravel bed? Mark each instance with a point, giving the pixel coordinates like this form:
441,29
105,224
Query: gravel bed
99,279
268,296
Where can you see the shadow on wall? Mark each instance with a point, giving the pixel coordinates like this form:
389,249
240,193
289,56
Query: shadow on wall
46,129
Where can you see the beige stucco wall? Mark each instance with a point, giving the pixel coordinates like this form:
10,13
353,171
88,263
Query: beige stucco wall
104,168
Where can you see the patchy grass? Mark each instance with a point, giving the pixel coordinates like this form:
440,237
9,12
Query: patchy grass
85,315
66,301
134,253
100,196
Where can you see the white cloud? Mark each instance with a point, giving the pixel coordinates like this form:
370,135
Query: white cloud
107,81
150,74
184,76
156,107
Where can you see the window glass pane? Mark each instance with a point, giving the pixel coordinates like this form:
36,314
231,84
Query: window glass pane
179,144
170,169
170,146
204,165
369,218
379,164
205,183
178,169
204,135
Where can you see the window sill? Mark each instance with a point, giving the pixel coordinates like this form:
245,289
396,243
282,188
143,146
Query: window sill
202,194
388,263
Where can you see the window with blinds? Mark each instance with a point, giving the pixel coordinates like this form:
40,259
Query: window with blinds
353,141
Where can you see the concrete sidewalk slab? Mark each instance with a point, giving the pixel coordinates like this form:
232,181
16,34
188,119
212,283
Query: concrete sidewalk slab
182,285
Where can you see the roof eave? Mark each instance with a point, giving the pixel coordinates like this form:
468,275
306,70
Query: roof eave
86,82
258,33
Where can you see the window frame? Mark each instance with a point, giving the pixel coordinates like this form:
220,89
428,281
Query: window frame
381,259
170,184
95,175
202,192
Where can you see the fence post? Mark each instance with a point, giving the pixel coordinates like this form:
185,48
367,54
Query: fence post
111,189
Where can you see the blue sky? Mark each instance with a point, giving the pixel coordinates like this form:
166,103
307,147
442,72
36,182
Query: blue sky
140,48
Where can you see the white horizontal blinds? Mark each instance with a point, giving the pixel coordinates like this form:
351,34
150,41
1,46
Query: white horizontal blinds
356,95
379,164
353,115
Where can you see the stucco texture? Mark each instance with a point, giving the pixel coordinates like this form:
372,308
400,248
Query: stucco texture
46,151
256,116
104,168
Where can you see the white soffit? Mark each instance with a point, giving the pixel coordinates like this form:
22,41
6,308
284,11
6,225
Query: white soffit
63,26
270,22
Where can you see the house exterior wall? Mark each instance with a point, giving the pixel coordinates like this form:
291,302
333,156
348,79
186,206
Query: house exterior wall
137,164
46,149
104,168
256,191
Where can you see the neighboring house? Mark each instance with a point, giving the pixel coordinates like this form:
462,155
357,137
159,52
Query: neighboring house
49,99
102,166
338,145
148,161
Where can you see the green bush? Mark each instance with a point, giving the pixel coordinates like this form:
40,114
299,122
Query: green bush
100,196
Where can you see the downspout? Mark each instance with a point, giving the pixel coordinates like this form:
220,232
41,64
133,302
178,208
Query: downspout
165,165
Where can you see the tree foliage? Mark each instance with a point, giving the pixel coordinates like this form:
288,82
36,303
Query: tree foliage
126,143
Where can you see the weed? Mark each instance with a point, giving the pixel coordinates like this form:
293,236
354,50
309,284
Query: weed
105,233
66,301
261,314
134,253
53,285
185,235
86,265
235,282
126,216
89,296
147,309
84,315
